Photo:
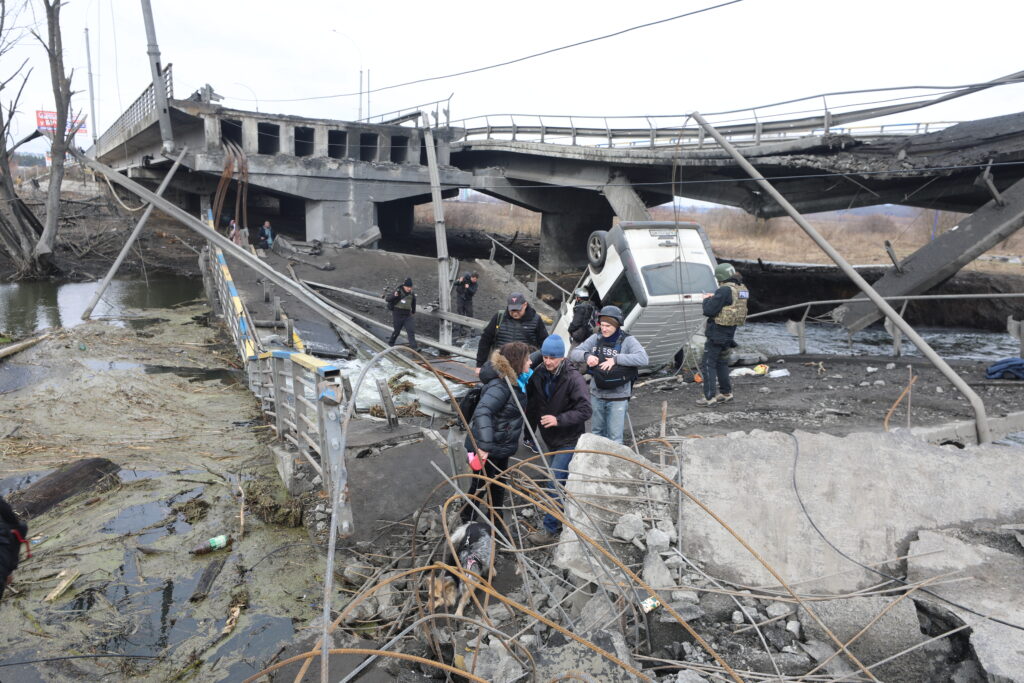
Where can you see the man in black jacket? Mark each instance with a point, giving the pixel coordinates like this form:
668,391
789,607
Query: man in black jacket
558,402
402,303
10,544
726,310
519,322
465,290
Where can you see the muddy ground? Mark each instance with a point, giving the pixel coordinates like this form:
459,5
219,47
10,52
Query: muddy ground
165,403
833,394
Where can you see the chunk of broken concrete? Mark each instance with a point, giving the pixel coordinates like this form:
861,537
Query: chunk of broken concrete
874,476
657,576
657,541
629,526
993,583
897,630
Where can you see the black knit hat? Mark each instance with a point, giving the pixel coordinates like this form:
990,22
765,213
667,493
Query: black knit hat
408,282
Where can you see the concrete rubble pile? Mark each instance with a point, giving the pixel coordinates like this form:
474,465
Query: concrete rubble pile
583,605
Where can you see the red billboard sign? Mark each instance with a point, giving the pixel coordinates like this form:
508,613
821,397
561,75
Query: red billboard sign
47,120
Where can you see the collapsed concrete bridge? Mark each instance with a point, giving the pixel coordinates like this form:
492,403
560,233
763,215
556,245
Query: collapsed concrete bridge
336,180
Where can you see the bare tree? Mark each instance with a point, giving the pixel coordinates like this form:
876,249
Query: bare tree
19,228
63,135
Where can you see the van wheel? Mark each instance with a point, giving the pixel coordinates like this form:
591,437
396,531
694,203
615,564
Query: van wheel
597,248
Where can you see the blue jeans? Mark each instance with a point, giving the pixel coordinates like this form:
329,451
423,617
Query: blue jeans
609,418
560,467
715,366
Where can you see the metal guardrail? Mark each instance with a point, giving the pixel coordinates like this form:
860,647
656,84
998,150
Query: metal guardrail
301,394
653,132
798,328
137,112
512,270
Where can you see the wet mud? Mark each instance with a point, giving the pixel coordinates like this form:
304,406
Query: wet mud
165,403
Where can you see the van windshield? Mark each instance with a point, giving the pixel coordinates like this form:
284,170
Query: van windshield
678,277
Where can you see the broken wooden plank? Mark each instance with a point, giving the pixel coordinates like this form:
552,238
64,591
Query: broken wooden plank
207,579
70,576
58,486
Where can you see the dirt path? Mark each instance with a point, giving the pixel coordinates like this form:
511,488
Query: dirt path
165,404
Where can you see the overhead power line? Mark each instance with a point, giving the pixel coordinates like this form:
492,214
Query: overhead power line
506,63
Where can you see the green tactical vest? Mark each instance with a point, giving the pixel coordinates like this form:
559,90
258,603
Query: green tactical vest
735,313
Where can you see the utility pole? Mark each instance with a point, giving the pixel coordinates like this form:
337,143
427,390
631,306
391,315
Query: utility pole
159,87
360,95
92,97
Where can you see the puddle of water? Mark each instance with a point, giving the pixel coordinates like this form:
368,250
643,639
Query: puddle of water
14,377
27,307
260,637
9,485
158,603
134,518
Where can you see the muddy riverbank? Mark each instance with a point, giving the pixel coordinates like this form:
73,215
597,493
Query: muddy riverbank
167,404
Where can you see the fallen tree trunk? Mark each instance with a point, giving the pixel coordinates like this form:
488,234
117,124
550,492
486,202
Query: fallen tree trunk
58,486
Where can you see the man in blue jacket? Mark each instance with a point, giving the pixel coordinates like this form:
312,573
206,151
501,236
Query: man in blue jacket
726,310
558,405
613,360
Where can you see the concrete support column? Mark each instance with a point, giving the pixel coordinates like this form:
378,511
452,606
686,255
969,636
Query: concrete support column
250,136
287,140
211,131
563,239
333,222
320,142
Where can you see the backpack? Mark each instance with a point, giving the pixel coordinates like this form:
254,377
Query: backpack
468,402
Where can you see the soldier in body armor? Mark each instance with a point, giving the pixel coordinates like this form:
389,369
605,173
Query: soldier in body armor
518,322
726,310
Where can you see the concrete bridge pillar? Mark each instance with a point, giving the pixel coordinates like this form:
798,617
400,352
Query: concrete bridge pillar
563,238
336,221
320,141
211,133
250,136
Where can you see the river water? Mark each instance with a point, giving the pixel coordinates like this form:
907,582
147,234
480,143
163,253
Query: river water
27,307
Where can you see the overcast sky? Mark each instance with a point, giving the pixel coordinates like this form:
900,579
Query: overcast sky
746,54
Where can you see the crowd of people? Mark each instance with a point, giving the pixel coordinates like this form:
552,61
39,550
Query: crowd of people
531,379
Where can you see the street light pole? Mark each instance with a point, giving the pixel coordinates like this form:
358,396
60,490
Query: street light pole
254,95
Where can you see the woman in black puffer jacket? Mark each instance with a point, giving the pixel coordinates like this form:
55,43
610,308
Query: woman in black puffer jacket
497,422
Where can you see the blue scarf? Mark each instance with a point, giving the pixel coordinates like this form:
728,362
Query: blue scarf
523,378
615,335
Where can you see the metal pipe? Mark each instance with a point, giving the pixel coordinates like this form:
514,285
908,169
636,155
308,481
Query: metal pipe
159,86
243,256
131,238
444,300
980,417
92,96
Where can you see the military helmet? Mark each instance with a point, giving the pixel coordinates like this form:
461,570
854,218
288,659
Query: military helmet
613,312
724,271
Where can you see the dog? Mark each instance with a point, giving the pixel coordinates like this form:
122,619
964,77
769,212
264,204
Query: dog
473,544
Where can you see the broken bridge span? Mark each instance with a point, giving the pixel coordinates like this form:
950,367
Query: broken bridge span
333,180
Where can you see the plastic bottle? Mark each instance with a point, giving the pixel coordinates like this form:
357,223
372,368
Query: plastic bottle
215,543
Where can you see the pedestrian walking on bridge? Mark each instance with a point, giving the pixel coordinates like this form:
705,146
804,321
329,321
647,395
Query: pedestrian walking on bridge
402,304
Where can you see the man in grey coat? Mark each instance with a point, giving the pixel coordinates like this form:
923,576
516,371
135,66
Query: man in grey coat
613,360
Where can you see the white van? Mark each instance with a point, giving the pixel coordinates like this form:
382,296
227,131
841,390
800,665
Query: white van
657,272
